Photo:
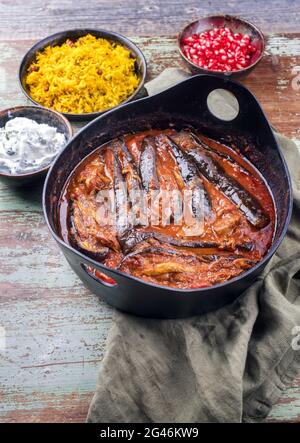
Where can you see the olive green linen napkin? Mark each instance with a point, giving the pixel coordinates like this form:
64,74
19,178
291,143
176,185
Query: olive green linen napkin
225,366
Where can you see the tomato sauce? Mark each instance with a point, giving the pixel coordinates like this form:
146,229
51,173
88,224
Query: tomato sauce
237,227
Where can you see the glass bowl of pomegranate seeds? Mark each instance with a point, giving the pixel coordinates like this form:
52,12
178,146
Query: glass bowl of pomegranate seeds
221,44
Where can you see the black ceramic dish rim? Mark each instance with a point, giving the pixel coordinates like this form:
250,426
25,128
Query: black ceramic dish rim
43,170
41,44
219,73
176,291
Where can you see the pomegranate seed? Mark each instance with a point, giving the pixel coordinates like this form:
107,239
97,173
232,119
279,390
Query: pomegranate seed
219,49
237,36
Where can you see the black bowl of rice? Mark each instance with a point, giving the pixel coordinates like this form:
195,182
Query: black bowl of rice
83,73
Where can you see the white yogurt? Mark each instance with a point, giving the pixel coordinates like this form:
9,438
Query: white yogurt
26,145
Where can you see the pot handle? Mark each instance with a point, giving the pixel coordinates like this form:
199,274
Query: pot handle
83,264
250,117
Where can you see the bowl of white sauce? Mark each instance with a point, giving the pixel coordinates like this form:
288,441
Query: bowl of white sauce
30,139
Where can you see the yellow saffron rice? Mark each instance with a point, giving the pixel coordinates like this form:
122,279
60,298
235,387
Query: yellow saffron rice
88,75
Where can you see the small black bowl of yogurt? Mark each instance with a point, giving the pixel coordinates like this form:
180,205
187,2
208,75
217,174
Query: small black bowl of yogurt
30,139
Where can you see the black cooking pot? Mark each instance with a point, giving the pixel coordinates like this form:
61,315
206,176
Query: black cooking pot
179,106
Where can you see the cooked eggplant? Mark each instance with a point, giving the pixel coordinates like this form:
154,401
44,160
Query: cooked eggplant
132,237
186,137
121,200
100,254
164,249
90,247
214,172
148,170
128,167
190,175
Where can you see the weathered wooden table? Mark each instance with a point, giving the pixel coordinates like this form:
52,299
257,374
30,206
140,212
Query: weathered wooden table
55,328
